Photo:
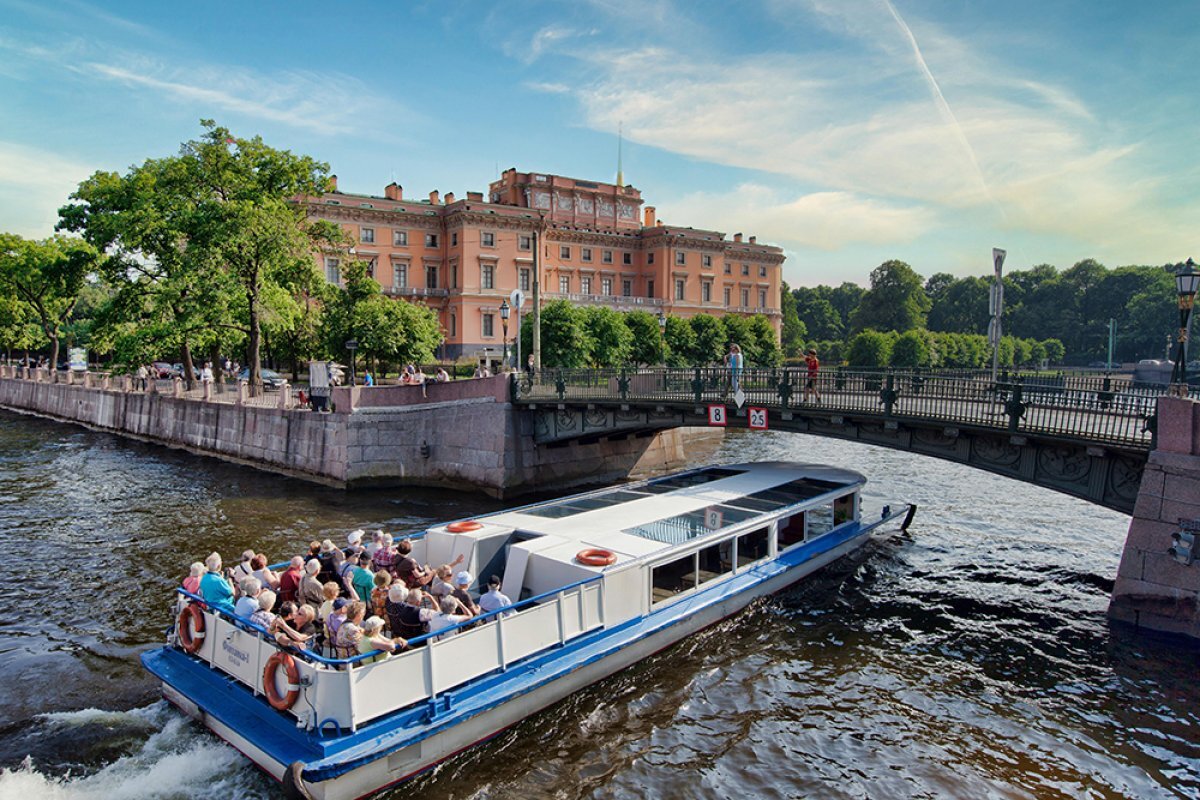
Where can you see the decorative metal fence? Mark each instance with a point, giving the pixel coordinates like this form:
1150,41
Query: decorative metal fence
1099,409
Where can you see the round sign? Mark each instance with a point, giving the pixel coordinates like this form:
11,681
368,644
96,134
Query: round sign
517,299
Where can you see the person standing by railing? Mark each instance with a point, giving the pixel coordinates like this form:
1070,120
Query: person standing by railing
813,365
735,360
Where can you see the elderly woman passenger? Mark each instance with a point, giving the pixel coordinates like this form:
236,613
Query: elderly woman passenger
372,639
266,576
285,634
215,590
451,614
263,617
311,591
192,582
247,604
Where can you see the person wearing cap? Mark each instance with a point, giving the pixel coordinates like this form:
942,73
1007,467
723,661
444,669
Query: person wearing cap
385,556
462,582
372,640
493,599
353,542
335,619
379,595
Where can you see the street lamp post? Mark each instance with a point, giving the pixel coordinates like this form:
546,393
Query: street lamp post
504,310
352,345
662,333
1187,281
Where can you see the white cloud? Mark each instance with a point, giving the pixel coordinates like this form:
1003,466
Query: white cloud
821,220
33,184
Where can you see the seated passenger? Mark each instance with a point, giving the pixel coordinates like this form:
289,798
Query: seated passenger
311,591
374,545
242,569
247,604
346,576
335,619
379,594
281,628
191,583
330,559
306,621
451,614
362,580
289,581
266,576
441,585
493,599
263,617
372,639
385,556
349,631
413,574
330,593
353,542
406,618
462,582
215,590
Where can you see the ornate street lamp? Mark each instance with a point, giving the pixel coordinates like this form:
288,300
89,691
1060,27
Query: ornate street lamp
504,311
1187,281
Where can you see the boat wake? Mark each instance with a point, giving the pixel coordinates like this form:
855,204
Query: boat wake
164,756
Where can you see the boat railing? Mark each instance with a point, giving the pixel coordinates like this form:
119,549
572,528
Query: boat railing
346,692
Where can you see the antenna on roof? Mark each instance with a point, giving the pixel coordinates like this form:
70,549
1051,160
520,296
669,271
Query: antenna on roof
620,177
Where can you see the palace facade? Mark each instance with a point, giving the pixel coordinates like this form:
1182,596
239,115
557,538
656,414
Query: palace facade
597,245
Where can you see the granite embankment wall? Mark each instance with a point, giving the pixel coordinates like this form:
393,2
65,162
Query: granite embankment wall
461,435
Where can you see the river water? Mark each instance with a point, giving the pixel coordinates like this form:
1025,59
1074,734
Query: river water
970,657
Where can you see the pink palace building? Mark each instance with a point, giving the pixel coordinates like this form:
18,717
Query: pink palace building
463,257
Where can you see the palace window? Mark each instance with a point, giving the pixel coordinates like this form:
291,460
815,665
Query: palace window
585,285
453,325
489,325
585,254
524,242
399,274
454,239
626,258
762,298
524,279
706,291
728,268
400,238
431,277
680,257
431,240
564,284
626,288
371,269
762,271
649,258
727,297
487,276
487,239
649,288
564,252
366,235
333,271
745,298
680,286
706,260
745,269
606,286
606,256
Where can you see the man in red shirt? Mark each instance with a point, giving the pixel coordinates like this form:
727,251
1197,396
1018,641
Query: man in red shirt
810,386
289,581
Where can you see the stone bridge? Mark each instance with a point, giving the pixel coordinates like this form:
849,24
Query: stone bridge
1085,436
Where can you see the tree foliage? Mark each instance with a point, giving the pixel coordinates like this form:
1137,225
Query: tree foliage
896,300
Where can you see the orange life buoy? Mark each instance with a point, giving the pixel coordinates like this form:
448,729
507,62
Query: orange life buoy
595,557
463,527
191,618
281,702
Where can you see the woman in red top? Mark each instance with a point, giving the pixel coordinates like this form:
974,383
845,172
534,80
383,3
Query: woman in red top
810,386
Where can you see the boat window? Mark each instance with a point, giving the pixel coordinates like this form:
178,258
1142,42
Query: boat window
791,530
820,520
787,494
714,562
668,580
843,509
580,505
682,527
752,546
687,481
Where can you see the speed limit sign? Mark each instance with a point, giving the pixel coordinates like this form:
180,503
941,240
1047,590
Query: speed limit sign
758,418
716,415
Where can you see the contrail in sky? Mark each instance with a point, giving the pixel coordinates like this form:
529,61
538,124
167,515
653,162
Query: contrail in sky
940,99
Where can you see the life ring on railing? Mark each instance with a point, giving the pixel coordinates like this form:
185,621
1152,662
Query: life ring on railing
464,526
281,702
595,557
191,628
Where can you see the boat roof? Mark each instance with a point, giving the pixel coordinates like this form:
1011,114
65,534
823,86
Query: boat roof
642,518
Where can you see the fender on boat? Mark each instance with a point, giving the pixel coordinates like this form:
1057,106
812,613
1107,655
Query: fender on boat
293,783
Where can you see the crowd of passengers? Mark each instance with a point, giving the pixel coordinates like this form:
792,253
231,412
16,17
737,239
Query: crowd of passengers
340,602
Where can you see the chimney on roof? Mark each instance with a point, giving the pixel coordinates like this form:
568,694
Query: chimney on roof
753,239
393,191
449,198
737,237
476,197
332,187
650,216
433,197
658,224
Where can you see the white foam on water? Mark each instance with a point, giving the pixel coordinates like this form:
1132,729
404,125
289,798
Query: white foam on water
177,760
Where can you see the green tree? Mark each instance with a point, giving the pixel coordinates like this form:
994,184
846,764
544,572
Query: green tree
565,341
385,329
709,339
610,339
681,342
48,277
869,349
912,350
817,313
763,350
896,300
18,326
1054,350
845,300
961,306
794,332
647,346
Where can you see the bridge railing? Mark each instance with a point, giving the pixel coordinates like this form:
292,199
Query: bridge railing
1102,410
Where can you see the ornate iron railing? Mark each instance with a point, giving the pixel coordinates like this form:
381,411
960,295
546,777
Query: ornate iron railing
1100,409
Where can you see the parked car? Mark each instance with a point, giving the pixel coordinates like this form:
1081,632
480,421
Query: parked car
162,370
270,378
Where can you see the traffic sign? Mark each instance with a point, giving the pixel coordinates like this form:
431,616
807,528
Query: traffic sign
716,415
758,418
714,518
516,299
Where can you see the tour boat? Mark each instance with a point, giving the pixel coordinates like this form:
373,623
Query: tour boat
598,581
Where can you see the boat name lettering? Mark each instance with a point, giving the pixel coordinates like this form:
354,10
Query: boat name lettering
237,655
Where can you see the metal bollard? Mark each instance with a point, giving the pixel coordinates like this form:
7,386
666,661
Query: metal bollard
242,392
285,395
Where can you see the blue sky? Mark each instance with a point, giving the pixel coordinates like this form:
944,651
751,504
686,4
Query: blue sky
848,132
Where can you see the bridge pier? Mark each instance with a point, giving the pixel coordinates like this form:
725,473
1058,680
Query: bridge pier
1153,589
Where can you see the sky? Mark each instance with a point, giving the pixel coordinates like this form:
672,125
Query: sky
848,132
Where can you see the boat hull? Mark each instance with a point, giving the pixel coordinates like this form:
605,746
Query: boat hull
391,768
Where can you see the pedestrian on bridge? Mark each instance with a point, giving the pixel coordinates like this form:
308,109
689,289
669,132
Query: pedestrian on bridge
735,360
813,364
